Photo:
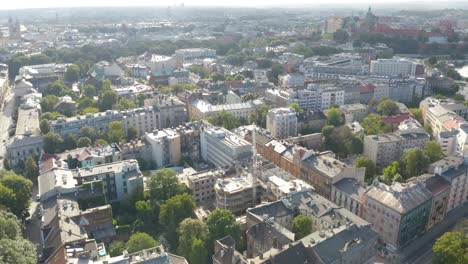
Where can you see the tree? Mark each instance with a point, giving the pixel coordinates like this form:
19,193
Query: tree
198,252
107,99
44,125
215,77
428,128
341,141
433,151
259,117
276,70
222,223
417,113
116,132
88,132
125,104
86,102
164,184
248,97
451,248
72,73
334,117
373,125
70,141
48,103
432,60
17,187
31,170
117,248
13,247
84,142
140,241
302,226
224,119
388,107
364,162
190,230
415,162
132,133
175,209
341,36
390,172
89,91
53,143
296,107
101,142
58,88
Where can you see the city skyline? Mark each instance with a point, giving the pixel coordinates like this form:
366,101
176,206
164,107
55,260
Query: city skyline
240,3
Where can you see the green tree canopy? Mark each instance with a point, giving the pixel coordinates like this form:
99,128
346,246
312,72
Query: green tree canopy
190,230
84,142
132,133
296,107
365,162
48,103
417,113
116,132
451,248
224,119
31,170
373,125
388,107
433,151
107,99
334,117
341,36
172,212
164,184
15,192
302,226
70,141
13,247
415,162
140,241
53,143
89,132
117,248
44,125
72,73
222,223
89,90
390,172
341,141
125,104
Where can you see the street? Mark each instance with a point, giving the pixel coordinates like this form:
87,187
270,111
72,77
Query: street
6,119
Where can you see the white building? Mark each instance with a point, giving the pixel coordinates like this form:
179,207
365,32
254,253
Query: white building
183,55
165,147
201,109
159,64
282,122
223,148
394,67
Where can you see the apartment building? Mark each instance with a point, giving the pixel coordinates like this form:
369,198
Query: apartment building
454,170
187,55
291,80
236,194
222,148
354,112
399,212
454,141
383,149
42,74
334,67
282,122
395,67
120,178
347,192
202,185
27,141
165,147
201,109
440,190
98,121
322,170
443,115
172,112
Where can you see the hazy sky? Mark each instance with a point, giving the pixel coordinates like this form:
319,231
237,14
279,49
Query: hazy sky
11,4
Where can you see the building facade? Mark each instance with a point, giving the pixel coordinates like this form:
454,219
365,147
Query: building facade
282,122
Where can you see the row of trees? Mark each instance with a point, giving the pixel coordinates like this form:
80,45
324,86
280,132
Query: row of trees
54,143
